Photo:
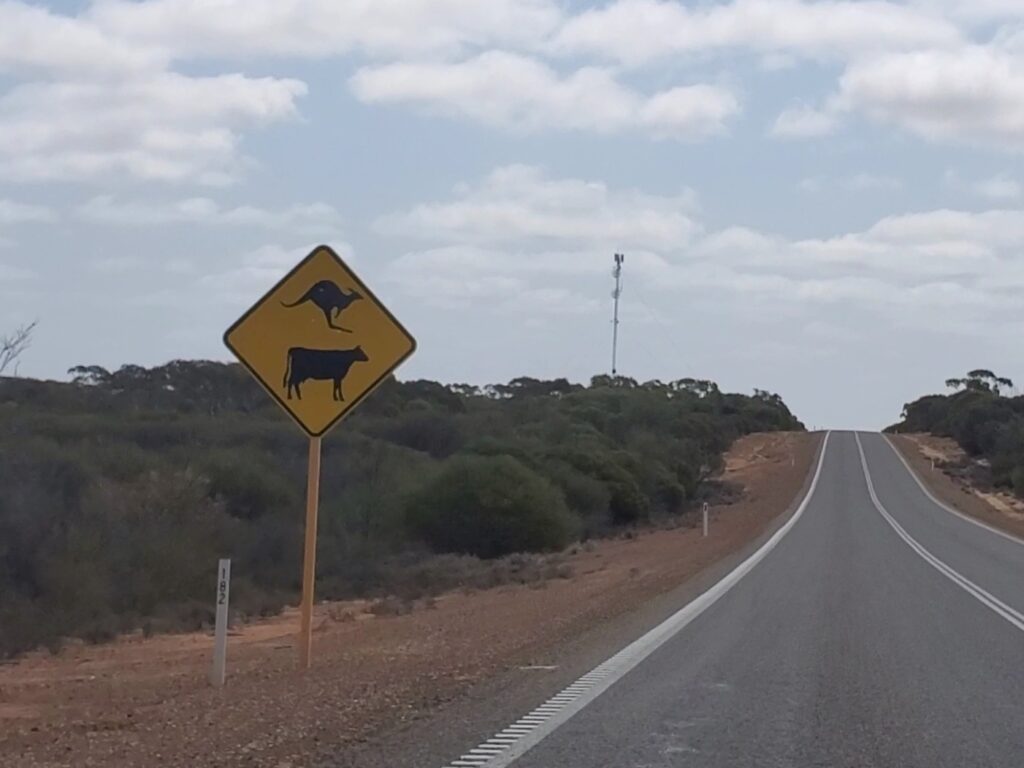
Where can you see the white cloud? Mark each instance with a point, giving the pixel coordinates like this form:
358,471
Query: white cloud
935,303
114,265
313,218
879,253
692,110
777,62
33,39
11,273
317,28
975,11
13,212
998,188
89,102
472,260
457,277
866,182
252,273
639,31
520,220
997,229
830,334
521,231
973,94
513,91
165,127
804,122
859,182
520,203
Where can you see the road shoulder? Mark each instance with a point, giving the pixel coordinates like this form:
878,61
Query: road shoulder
993,509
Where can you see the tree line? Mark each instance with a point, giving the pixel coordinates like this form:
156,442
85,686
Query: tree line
122,488
980,415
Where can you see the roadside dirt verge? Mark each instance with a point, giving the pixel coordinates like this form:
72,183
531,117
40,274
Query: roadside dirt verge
998,509
146,702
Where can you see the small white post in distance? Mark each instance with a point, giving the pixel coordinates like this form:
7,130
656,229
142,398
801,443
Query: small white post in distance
705,510
220,643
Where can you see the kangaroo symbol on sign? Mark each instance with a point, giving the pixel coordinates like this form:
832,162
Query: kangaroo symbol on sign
330,299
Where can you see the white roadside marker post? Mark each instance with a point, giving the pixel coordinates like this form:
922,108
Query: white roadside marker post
220,643
705,509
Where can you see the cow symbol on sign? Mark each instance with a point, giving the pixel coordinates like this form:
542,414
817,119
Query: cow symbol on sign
320,365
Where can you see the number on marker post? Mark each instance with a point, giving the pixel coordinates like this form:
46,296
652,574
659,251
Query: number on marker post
220,643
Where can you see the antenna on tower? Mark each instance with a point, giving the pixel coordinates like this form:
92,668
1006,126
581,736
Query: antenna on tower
617,274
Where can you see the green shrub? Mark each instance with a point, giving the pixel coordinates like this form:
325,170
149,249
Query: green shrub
981,419
586,496
121,461
627,503
121,491
248,484
436,433
490,506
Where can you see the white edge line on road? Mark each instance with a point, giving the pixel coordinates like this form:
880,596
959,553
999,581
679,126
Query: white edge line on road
989,600
557,710
938,502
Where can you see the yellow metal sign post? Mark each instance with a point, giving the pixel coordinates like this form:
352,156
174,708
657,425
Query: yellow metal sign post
319,342
309,554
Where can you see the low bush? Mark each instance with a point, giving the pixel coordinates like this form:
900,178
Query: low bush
122,489
986,423
490,506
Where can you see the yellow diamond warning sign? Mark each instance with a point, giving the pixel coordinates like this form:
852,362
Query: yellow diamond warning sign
319,341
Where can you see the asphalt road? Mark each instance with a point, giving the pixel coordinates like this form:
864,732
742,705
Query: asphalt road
849,644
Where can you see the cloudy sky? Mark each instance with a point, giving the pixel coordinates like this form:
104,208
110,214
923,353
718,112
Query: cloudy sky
822,199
